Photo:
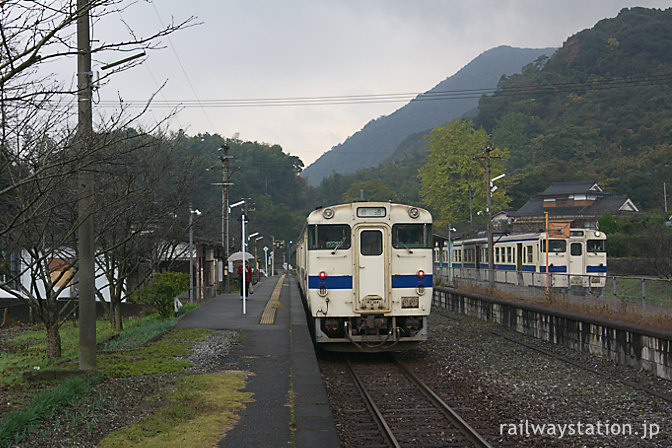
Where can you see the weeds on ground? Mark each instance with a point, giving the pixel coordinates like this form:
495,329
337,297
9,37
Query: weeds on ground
197,410
17,424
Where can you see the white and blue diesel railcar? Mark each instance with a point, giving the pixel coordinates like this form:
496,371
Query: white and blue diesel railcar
579,259
365,273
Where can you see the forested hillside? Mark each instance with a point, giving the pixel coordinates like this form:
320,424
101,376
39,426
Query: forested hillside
261,173
380,137
600,108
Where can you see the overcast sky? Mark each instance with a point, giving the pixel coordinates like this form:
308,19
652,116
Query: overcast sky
256,49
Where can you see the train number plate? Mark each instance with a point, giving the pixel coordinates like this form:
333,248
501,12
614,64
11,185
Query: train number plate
409,302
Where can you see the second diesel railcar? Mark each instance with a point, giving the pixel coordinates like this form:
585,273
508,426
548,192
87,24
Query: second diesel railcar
577,260
365,273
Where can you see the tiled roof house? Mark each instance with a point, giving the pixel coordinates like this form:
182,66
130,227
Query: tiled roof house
580,202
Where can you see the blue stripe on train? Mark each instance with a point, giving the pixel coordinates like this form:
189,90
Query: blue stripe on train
345,281
552,269
330,282
596,269
411,281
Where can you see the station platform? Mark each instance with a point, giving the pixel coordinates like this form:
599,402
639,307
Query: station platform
276,347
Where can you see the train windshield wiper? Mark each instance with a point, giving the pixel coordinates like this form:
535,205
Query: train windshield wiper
407,248
340,243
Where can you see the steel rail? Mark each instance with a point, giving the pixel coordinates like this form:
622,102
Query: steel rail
387,432
455,418
577,364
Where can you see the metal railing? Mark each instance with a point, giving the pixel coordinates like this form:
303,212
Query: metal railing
644,294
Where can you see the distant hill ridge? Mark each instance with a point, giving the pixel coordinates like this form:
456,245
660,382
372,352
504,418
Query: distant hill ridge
380,137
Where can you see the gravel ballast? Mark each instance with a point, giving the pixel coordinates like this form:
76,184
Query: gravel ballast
518,396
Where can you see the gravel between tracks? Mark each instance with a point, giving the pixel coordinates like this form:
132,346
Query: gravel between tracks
506,388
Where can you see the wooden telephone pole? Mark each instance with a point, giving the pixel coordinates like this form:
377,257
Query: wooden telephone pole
488,195
87,288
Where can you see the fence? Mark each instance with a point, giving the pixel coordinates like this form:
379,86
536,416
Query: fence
645,294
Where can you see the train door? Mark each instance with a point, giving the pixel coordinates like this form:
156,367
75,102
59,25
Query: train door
371,270
477,254
575,266
519,263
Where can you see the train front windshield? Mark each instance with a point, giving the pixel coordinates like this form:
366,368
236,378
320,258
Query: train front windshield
412,236
329,236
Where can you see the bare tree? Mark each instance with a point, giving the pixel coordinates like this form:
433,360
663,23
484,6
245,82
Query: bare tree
38,157
144,195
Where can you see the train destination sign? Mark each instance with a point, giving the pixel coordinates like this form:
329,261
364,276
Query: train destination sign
371,212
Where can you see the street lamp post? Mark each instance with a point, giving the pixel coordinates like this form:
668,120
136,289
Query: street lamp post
191,253
266,260
242,247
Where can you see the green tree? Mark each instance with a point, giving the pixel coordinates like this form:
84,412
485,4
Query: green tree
607,223
452,171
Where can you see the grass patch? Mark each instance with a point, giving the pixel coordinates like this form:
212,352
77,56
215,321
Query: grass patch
198,409
155,358
657,291
28,349
16,425
138,332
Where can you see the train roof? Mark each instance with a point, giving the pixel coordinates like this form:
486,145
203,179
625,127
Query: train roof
369,210
514,237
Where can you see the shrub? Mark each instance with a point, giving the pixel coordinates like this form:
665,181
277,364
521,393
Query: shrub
165,286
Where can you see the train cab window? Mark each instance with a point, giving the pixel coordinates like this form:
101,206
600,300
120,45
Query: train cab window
595,246
328,236
371,242
575,249
412,236
555,246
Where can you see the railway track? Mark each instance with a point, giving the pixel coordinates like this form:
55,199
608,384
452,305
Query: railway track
579,365
405,410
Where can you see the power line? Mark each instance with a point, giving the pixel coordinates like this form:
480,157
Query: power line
184,71
440,95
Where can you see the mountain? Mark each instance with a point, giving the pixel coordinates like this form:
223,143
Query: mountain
380,137
600,108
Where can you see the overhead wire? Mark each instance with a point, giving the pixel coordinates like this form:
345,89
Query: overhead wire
439,95
184,71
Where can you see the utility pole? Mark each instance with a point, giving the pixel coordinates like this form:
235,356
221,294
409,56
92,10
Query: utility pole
225,213
87,290
488,195
225,184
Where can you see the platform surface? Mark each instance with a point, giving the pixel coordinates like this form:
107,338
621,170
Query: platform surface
276,347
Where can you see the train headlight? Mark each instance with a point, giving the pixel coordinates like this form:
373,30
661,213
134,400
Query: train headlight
413,212
323,287
597,234
328,213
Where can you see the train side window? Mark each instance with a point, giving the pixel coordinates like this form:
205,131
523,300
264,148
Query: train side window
508,254
412,236
371,242
595,246
575,249
530,255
